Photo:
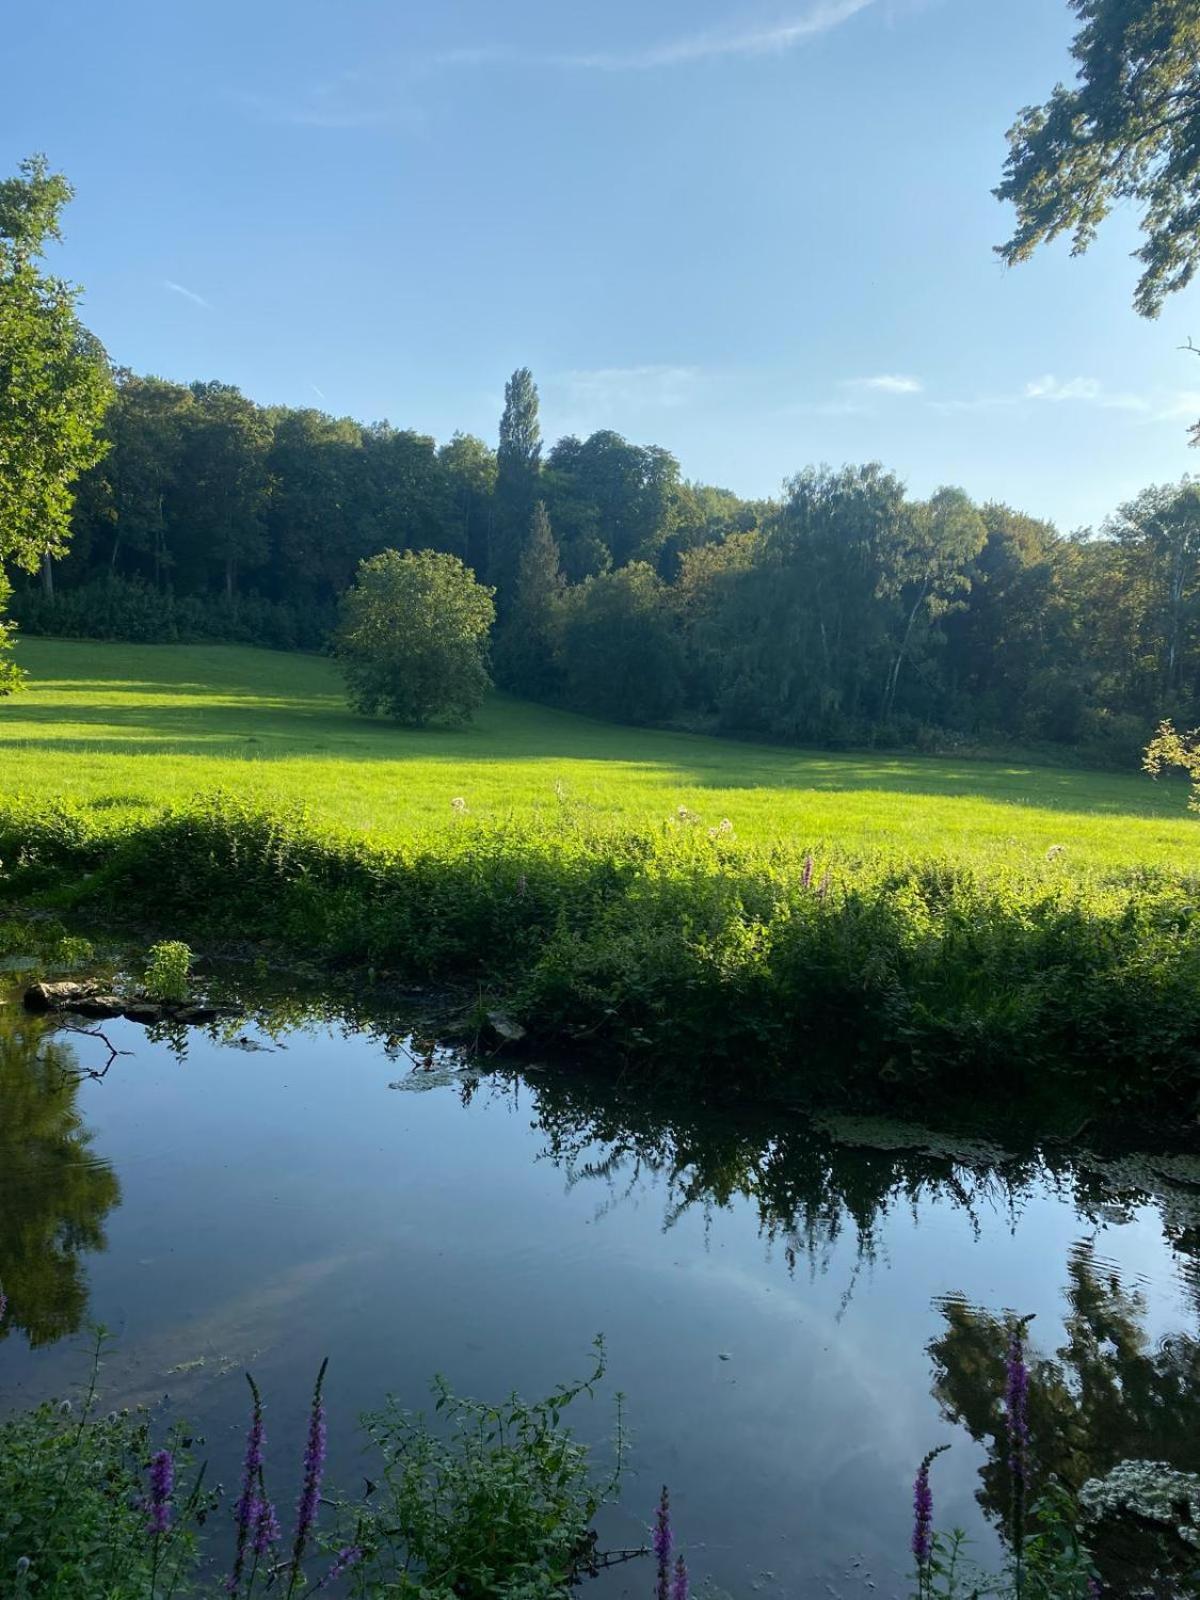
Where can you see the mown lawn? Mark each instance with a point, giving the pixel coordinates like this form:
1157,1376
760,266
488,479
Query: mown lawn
126,726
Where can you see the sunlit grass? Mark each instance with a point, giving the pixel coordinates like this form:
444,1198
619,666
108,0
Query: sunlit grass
126,726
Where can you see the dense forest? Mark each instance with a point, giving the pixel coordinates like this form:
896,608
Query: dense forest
845,611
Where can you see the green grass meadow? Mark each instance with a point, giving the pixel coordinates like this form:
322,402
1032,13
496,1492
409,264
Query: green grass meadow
123,727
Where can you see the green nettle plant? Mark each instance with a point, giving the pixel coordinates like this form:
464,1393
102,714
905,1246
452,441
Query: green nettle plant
166,977
499,1500
88,1510
481,1503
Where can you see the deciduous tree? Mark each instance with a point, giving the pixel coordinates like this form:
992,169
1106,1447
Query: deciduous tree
412,638
54,378
1127,130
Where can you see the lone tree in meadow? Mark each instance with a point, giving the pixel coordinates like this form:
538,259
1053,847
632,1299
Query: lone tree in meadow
412,638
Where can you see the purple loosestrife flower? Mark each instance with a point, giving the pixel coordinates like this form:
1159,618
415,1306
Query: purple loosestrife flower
162,1486
314,1466
250,1505
922,1534
807,875
348,1556
1016,1407
662,1545
679,1584
3,1304
1016,1401
266,1528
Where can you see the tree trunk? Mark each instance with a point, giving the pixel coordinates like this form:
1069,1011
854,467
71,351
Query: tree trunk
47,576
889,698
160,546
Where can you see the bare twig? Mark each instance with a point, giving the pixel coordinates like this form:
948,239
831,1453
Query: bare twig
94,1033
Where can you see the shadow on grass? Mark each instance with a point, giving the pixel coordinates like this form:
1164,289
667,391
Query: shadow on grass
202,715
668,772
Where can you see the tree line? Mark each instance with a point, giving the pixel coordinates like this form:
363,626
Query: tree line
845,610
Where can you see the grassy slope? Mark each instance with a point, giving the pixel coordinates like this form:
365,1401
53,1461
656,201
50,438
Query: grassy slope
275,726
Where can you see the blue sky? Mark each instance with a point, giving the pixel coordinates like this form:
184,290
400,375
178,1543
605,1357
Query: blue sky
757,234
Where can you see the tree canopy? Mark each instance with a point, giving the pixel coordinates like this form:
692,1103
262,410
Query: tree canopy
54,379
54,382
412,638
1128,130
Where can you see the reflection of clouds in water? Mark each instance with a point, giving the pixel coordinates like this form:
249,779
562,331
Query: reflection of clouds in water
486,1229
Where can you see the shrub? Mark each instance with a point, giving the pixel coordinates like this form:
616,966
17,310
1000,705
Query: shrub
493,1500
166,975
73,1503
412,638
486,1503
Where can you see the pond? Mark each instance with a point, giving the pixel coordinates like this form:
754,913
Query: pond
795,1311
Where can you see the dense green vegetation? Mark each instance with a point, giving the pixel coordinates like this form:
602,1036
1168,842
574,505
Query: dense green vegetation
775,942
845,612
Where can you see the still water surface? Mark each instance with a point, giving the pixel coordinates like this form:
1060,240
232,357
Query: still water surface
795,1315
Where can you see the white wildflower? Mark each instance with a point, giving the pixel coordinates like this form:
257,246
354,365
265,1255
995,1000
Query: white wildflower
1149,1489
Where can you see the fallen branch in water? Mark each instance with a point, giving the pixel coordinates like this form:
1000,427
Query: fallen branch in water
94,1033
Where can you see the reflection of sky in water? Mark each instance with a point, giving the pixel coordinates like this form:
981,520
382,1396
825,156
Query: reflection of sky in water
278,1206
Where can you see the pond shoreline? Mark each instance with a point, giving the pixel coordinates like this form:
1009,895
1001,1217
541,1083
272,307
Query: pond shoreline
735,972
444,1019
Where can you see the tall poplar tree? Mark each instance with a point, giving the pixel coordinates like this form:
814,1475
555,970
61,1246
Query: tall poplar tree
518,463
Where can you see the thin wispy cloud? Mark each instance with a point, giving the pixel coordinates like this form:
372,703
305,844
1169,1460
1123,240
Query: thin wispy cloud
633,388
886,383
763,39
769,39
364,99
187,294
1086,391
1049,390
1184,404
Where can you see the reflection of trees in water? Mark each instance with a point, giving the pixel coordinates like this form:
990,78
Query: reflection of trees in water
816,1184
809,1188
1105,1395
54,1193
